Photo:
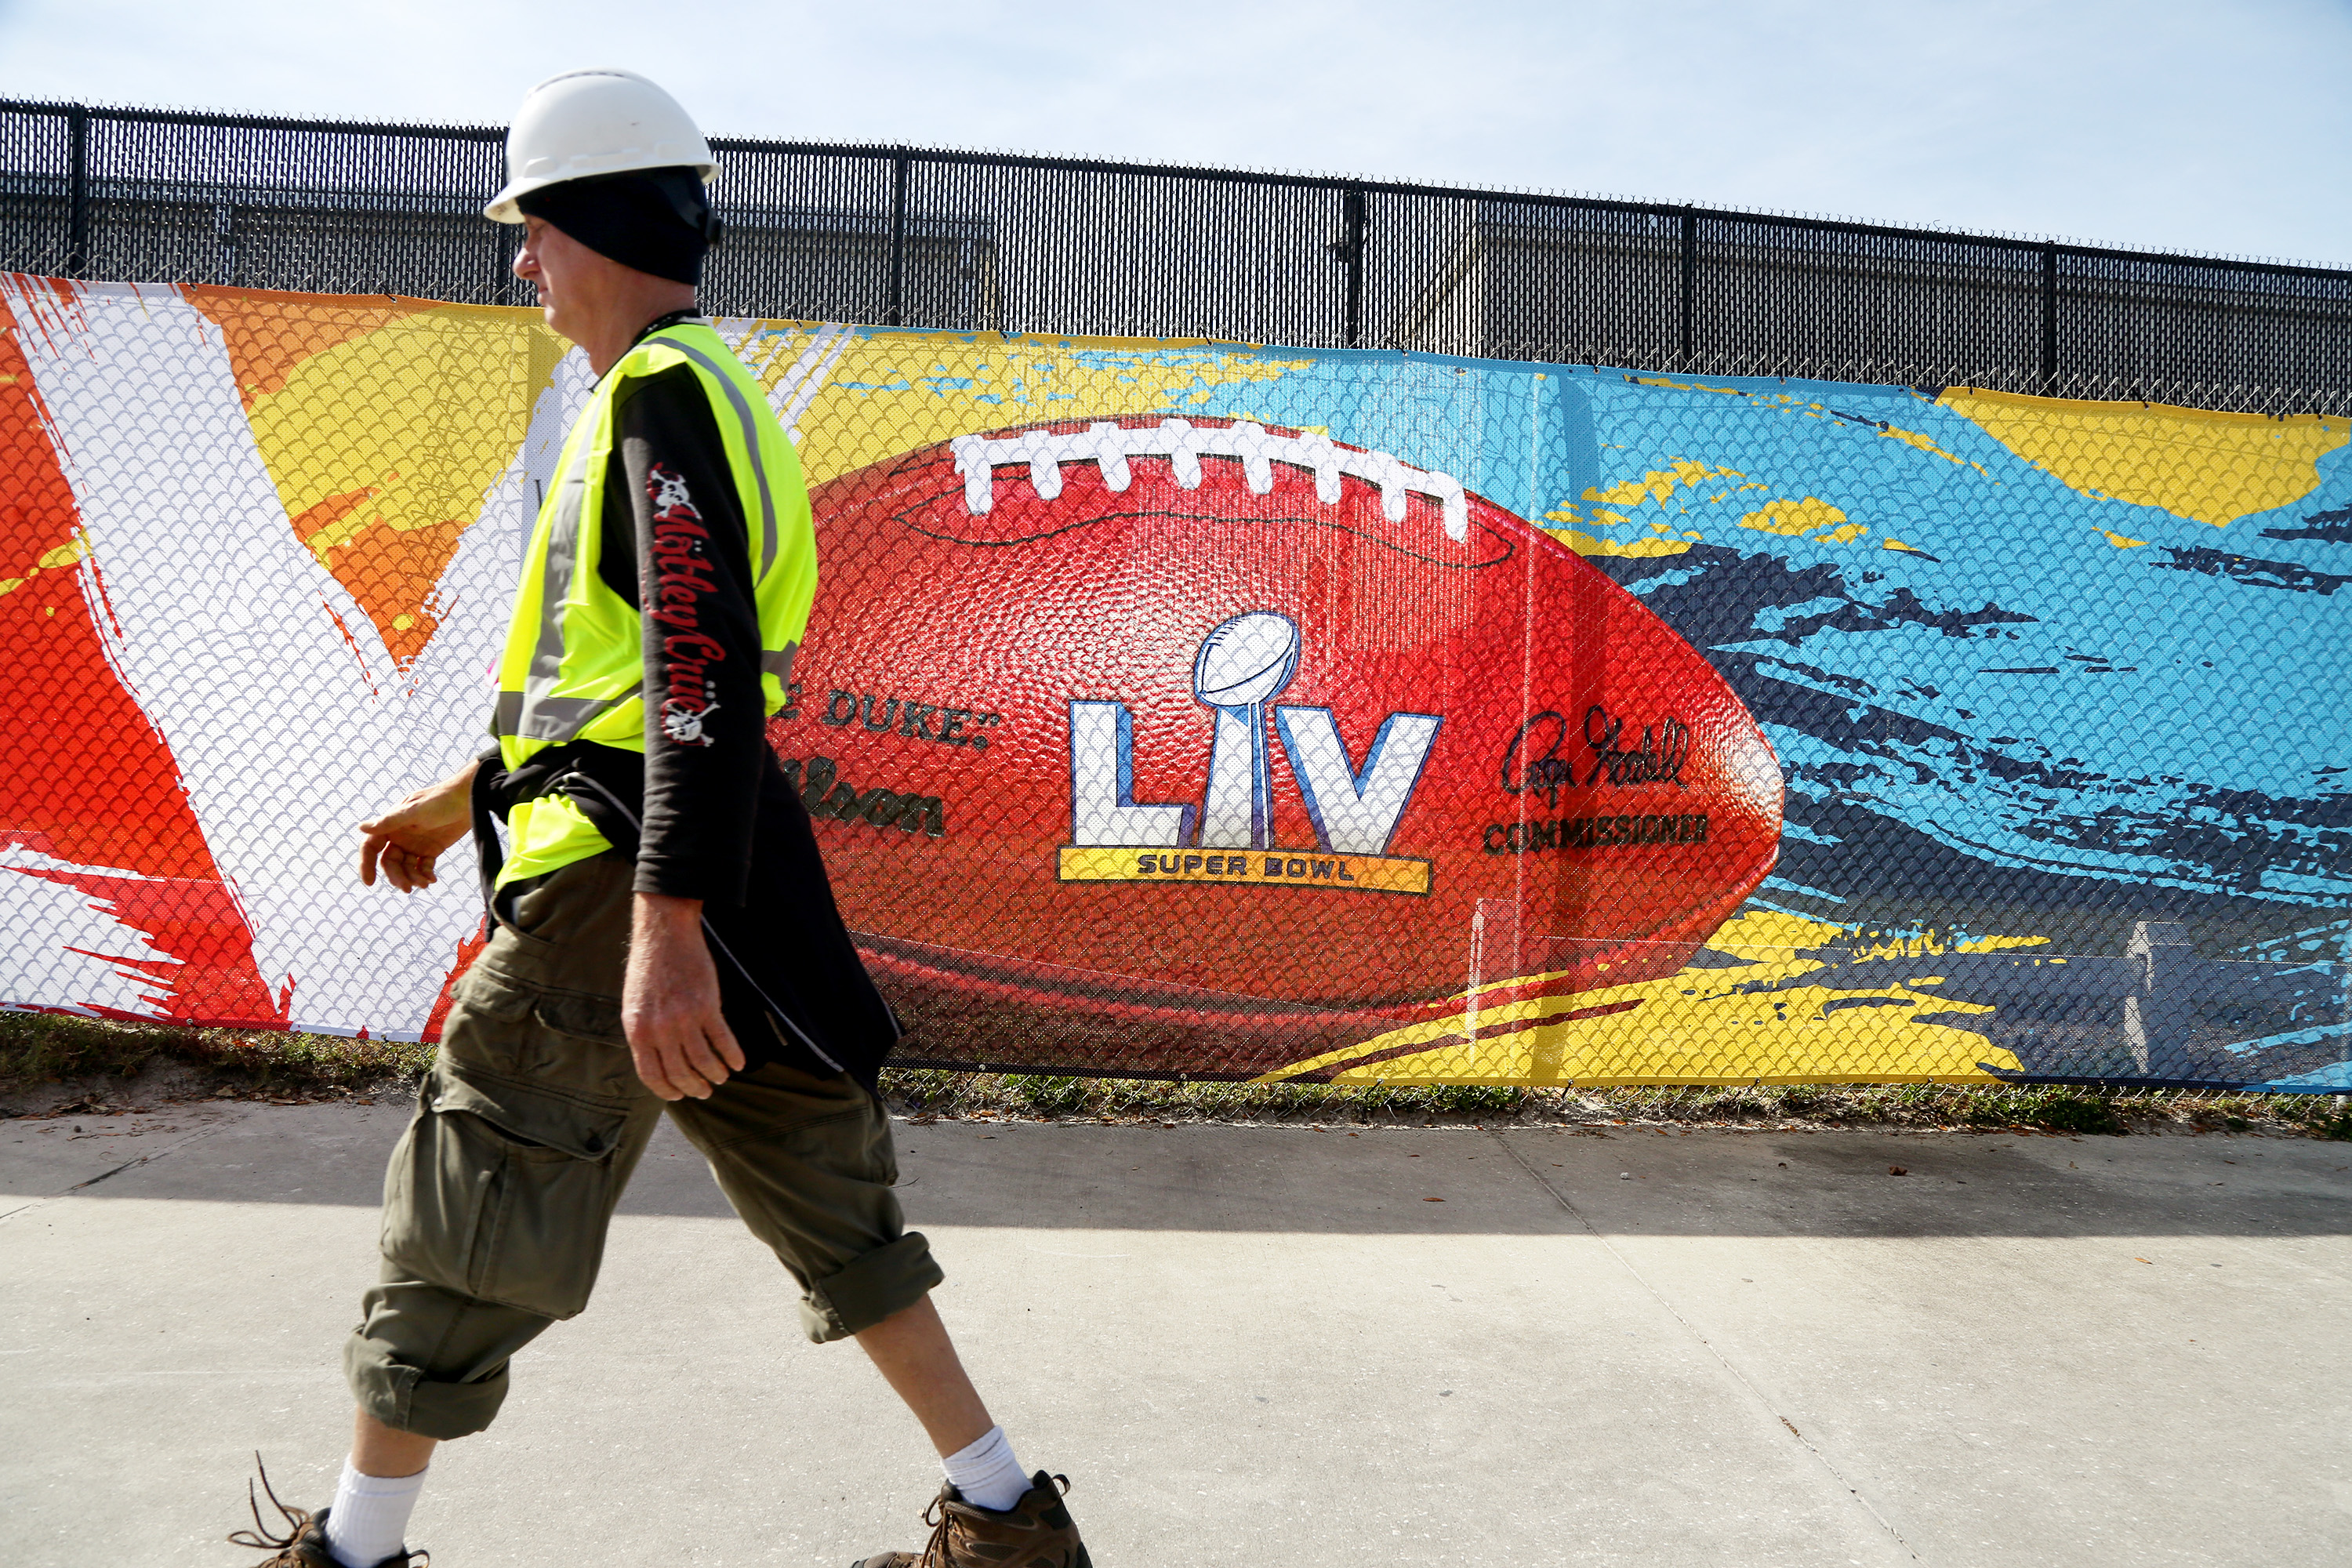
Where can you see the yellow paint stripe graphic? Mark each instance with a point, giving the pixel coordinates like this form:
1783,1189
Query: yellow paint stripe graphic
1756,1022
883,393
2214,468
1809,515
1598,510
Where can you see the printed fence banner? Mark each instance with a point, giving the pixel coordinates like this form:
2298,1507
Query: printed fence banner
1186,707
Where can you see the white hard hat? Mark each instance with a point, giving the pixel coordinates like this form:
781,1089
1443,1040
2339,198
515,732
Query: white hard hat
595,123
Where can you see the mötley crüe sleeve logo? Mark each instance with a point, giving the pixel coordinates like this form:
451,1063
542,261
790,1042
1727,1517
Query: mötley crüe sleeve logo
682,580
1243,664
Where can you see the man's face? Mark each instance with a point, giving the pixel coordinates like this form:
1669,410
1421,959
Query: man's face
576,285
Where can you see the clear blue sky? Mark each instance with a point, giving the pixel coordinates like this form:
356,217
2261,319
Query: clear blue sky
2216,125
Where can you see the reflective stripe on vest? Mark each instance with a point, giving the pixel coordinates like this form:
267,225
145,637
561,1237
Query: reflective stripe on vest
531,715
751,445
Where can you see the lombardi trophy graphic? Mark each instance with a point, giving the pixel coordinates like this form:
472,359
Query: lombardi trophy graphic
1244,663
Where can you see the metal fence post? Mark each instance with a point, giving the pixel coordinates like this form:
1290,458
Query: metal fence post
2049,318
502,278
1690,288
78,191
900,164
1350,251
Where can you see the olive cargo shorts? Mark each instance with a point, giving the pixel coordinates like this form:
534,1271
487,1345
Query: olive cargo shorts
498,1197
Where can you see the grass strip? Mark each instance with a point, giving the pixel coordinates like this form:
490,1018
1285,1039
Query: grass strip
87,1063
55,1048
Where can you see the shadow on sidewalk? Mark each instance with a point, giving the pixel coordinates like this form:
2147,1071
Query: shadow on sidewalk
1416,1180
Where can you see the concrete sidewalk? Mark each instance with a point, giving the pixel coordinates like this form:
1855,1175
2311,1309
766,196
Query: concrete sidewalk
1255,1345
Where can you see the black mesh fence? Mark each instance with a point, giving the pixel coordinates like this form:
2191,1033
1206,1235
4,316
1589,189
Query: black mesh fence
997,242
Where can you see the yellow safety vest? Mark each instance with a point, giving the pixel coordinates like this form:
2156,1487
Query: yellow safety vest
573,666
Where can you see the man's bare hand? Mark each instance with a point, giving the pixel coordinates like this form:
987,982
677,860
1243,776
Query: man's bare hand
405,841
670,1004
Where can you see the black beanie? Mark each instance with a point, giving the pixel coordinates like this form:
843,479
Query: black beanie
655,220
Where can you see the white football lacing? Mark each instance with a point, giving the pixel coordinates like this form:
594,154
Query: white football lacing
1108,445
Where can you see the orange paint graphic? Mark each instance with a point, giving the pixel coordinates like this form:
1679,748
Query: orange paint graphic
268,335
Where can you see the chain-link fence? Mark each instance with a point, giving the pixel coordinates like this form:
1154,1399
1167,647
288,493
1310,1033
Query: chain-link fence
997,243
1201,710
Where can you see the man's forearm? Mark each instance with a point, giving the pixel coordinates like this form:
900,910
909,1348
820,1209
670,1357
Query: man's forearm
667,918
405,841
670,1004
450,801
451,797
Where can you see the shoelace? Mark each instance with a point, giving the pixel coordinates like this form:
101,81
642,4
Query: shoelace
258,1536
943,1522
259,1539
935,1550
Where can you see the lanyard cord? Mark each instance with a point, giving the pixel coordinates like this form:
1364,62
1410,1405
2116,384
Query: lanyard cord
708,931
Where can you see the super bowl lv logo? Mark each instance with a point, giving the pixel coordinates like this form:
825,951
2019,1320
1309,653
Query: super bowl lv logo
1242,665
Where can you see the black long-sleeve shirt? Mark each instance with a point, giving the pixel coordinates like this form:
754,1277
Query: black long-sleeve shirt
677,548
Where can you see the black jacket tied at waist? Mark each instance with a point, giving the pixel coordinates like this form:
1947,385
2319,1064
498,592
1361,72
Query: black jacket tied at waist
573,769
792,985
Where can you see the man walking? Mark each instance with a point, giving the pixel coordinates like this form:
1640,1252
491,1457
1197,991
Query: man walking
664,937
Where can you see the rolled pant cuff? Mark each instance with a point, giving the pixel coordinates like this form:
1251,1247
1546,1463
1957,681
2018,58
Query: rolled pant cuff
405,1400
880,1283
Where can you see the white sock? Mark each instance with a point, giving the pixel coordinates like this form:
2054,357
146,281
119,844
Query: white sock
986,1473
369,1520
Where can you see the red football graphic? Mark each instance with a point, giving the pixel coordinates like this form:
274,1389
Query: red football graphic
1128,739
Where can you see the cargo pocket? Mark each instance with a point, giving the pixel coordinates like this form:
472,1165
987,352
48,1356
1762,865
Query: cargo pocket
503,1193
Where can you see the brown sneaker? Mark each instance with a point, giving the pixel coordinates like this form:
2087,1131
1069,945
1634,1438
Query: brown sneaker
1036,1532
304,1544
